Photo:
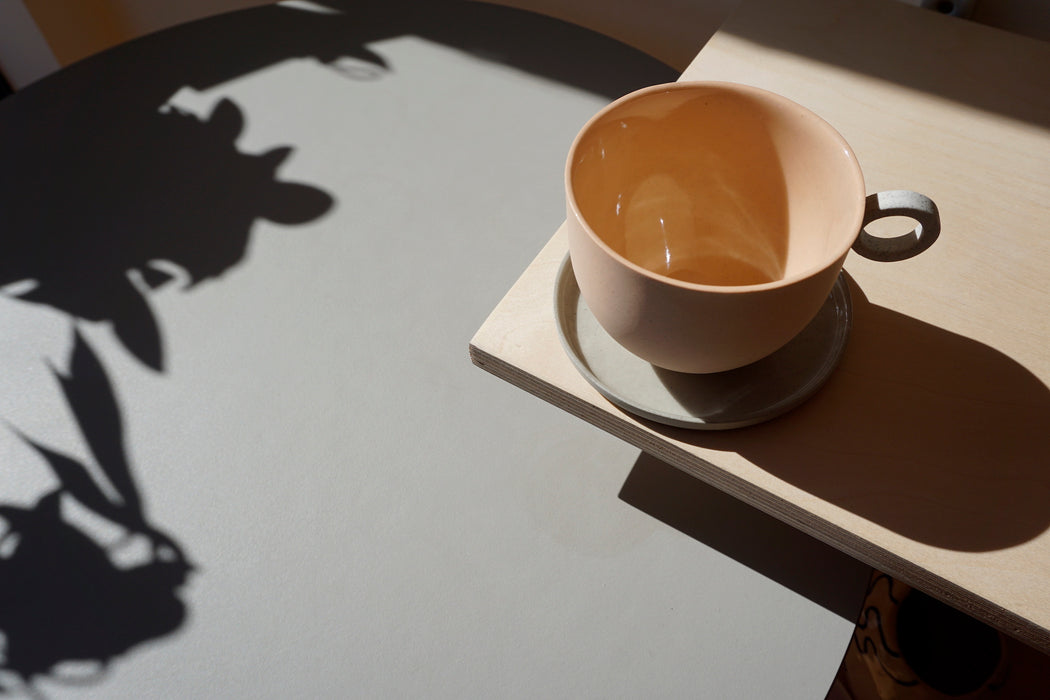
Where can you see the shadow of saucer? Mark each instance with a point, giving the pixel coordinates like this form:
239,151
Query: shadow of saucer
930,434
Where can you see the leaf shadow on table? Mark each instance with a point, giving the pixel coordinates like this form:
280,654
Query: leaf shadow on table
98,220
84,575
758,541
107,195
932,435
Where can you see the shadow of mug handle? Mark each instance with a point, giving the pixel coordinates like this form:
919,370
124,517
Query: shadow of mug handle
898,203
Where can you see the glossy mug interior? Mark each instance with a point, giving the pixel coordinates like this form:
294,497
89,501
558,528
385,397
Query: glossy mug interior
708,222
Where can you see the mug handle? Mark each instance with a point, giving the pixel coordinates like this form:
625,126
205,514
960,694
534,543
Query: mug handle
898,203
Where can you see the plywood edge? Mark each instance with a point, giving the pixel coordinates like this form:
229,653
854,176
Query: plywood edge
862,549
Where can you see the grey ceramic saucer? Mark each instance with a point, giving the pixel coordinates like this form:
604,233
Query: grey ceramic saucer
733,399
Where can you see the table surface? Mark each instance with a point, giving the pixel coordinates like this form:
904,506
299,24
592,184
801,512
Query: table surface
926,454
241,260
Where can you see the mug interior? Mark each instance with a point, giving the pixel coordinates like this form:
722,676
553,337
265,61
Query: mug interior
716,184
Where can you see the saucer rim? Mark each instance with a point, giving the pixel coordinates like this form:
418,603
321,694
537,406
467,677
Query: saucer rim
565,283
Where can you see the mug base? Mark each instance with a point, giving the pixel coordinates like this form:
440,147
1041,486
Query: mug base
740,397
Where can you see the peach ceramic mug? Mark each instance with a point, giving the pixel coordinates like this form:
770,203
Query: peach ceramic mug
708,222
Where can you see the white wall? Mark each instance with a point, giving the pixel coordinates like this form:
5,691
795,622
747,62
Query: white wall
24,53
671,30
78,28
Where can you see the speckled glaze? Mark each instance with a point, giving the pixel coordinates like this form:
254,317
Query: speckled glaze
707,222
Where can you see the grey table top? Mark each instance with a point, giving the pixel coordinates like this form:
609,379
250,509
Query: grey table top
244,258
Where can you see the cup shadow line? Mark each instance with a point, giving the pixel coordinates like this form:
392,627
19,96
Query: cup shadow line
933,435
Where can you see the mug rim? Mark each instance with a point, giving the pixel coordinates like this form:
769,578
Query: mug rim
739,88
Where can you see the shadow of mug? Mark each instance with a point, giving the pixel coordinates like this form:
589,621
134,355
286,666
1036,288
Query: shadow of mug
933,435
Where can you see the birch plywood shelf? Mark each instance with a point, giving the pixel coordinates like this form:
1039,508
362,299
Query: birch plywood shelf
927,454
